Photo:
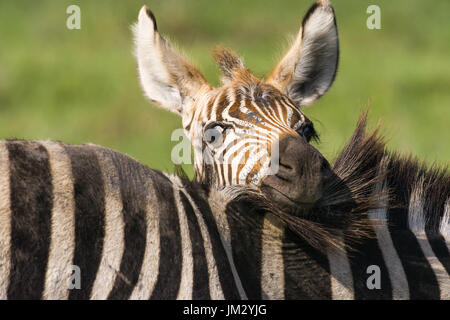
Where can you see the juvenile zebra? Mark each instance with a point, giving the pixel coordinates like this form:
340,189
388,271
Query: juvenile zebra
306,231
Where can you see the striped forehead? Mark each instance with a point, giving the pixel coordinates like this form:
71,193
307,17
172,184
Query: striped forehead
255,109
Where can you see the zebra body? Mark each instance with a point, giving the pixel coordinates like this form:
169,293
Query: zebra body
304,231
137,233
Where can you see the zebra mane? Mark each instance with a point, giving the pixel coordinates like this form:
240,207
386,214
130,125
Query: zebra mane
340,218
362,167
402,174
425,186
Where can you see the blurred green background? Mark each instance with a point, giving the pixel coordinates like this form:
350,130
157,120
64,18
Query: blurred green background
81,86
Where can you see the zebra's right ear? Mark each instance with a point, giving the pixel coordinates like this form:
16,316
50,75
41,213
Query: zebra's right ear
167,78
308,69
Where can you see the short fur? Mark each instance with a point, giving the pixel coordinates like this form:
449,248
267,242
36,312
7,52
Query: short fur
349,193
263,111
299,238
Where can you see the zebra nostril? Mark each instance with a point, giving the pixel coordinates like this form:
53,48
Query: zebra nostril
284,172
283,177
285,166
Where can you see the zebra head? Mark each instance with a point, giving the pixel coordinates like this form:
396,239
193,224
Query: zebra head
249,131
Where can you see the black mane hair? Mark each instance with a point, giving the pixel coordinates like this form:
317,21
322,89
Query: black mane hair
360,169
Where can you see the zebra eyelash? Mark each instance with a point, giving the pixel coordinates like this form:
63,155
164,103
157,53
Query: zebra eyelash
314,135
220,128
307,131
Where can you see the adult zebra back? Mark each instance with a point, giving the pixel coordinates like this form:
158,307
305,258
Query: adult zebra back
137,233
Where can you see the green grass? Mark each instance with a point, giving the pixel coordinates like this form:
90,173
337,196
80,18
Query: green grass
81,86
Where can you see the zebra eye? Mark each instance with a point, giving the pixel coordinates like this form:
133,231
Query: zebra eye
213,133
308,132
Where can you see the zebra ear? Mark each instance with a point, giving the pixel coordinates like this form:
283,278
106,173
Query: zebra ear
166,77
308,69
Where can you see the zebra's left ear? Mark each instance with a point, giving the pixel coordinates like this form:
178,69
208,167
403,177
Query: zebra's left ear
308,69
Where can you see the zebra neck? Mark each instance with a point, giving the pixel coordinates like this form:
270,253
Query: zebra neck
253,241
274,261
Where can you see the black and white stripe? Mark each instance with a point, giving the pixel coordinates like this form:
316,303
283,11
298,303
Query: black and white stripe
137,233
244,156
31,204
